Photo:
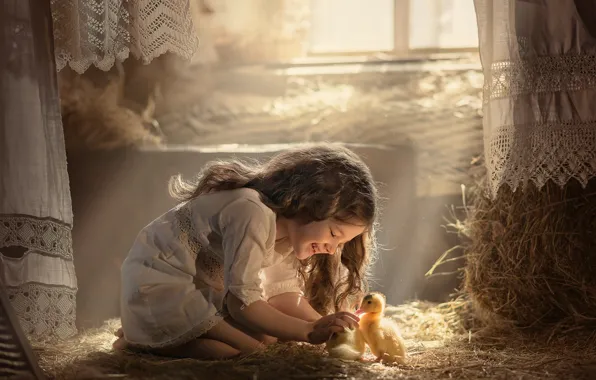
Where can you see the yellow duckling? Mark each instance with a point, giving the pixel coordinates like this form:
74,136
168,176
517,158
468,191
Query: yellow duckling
348,345
381,334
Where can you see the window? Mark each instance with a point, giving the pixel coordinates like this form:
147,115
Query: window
443,24
340,26
400,27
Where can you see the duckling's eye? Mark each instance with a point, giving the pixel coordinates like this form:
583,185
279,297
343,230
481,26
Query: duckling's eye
369,302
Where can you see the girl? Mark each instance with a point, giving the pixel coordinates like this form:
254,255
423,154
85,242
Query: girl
251,254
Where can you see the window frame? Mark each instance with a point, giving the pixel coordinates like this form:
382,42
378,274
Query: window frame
401,37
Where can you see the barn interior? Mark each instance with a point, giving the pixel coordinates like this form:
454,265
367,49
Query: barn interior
399,82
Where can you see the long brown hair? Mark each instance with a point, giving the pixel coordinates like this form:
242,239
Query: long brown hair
311,183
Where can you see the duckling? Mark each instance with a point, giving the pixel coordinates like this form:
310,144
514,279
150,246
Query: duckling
381,334
349,345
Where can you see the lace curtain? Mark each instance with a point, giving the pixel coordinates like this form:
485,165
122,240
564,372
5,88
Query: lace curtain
36,260
99,32
539,62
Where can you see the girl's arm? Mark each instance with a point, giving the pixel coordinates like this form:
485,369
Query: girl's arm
247,230
284,292
283,289
295,305
266,319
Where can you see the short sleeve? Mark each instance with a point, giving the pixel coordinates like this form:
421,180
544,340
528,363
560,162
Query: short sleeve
282,277
246,228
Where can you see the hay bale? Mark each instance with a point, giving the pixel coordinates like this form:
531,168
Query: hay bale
97,116
530,257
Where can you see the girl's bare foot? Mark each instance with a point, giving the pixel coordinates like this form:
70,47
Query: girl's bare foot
120,343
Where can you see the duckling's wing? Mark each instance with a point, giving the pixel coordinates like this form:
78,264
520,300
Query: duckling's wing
392,339
390,327
359,340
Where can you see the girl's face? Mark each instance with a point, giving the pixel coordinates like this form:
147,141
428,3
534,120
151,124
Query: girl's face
315,238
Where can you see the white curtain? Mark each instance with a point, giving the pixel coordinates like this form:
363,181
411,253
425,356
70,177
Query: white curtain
37,38
36,258
99,32
539,62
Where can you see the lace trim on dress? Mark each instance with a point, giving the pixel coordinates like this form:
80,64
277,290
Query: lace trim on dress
207,262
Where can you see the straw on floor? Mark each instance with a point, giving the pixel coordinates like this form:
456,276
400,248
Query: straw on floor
442,340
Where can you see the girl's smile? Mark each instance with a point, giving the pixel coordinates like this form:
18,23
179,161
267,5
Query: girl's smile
323,237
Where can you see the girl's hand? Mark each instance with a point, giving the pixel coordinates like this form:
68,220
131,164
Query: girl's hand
321,330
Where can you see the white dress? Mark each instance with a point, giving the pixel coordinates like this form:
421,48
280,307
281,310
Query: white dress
182,265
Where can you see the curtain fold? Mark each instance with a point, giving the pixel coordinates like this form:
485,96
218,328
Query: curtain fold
101,32
36,259
539,63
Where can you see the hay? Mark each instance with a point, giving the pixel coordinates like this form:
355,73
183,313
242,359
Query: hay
97,116
440,347
530,258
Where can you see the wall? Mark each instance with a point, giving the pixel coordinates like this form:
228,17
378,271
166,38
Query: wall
115,194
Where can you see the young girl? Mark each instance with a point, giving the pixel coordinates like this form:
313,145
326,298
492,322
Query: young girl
251,254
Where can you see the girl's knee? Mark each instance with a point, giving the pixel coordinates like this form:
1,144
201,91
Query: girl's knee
268,340
212,349
258,340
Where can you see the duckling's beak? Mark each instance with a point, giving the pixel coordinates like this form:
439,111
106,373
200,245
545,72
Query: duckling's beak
359,312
